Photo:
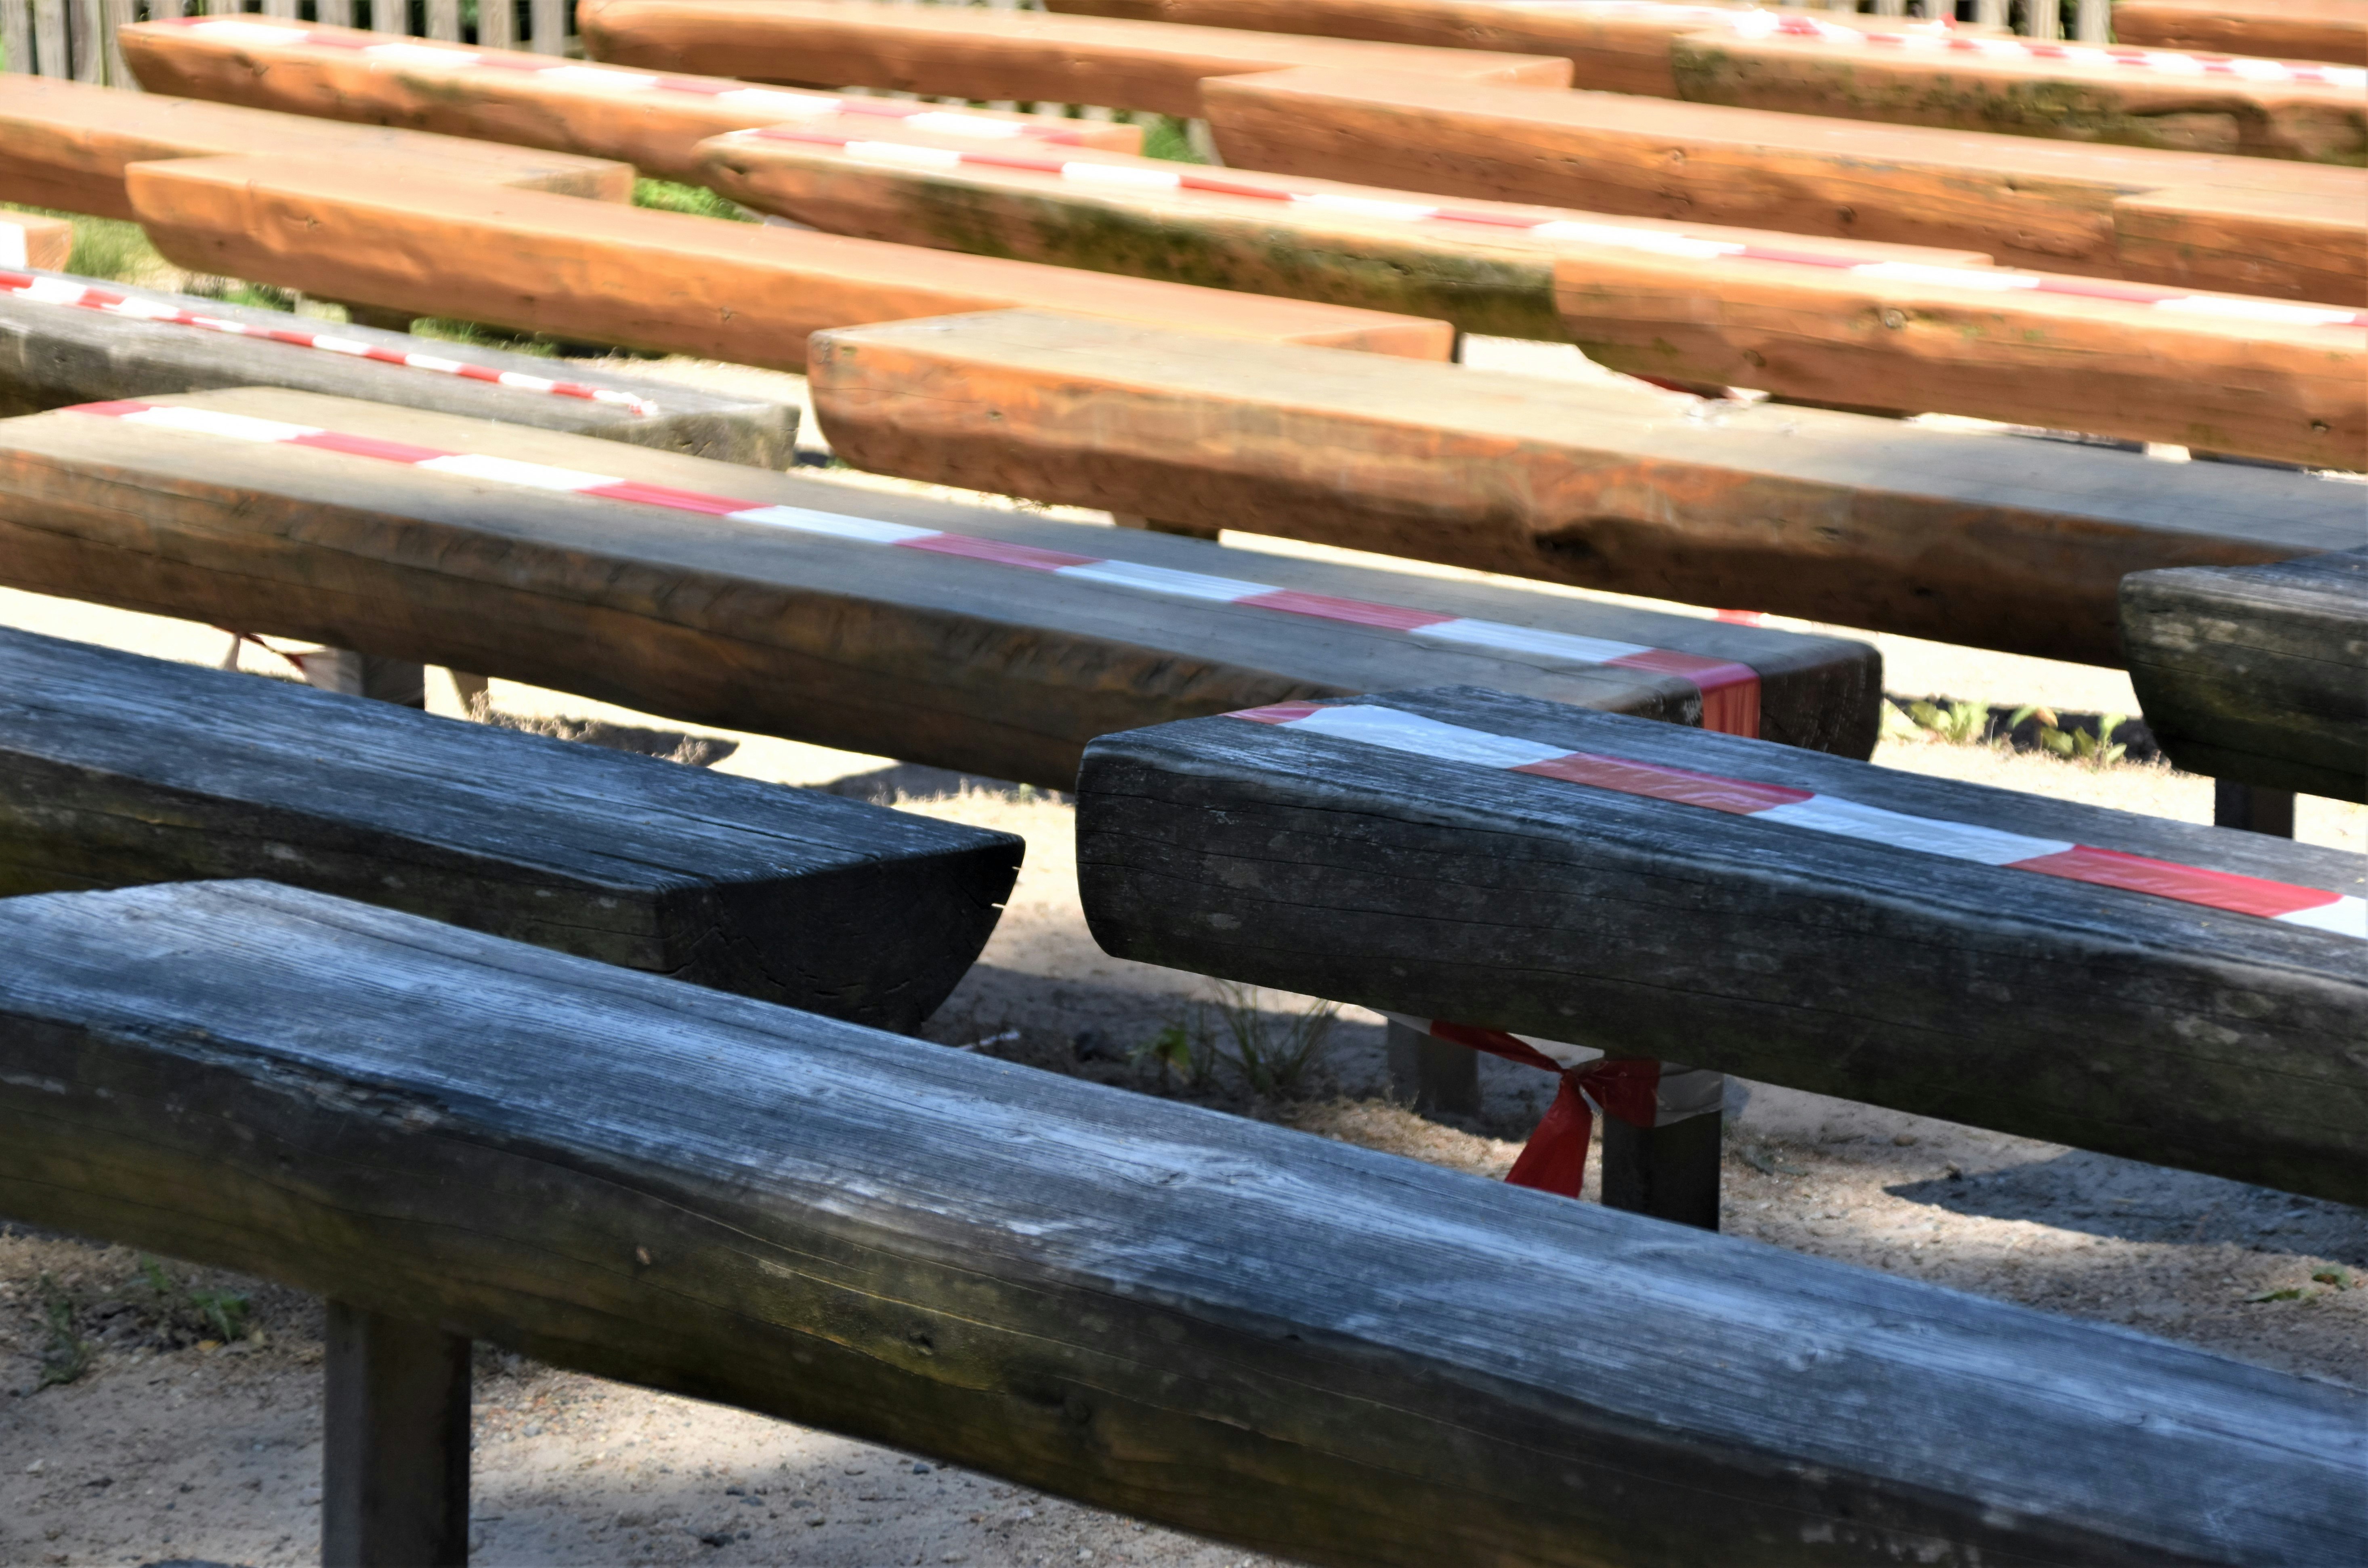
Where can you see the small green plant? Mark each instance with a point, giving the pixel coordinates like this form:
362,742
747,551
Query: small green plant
214,1314
1187,1048
2099,750
1271,1058
1170,138
1959,724
67,1354
666,196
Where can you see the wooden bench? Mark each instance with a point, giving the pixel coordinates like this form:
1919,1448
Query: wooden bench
67,340
536,100
412,239
1833,322
66,144
1289,1343
1803,920
2299,30
1872,68
984,56
27,240
117,769
2257,675
990,642
2241,225
1991,539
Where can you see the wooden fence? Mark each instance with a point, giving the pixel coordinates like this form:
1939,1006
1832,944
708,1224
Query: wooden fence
75,38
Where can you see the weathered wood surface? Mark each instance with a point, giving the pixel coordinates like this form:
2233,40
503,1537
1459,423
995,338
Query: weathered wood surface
117,769
670,281
1935,331
29,240
394,1443
531,100
2298,30
2048,205
66,144
53,355
984,56
1862,966
1724,53
932,655
1988,539
2259,673
1302,1346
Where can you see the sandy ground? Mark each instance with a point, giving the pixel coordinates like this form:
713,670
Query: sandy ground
176,1446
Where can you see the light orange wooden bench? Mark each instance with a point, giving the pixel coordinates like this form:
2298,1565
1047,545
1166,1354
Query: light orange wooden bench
29,240
410,239
1879,68
66,145
2244,225
1988,539
1830,321
967,52
649,119
2304,29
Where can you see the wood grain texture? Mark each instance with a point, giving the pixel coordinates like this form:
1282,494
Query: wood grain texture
117,769
653,132
1480,277
2213,1041
916,654
51,356
2257,674
985,56
66,144
2289,391
1251,1333
2027,203
1992,540
643,278
2293,30
35,241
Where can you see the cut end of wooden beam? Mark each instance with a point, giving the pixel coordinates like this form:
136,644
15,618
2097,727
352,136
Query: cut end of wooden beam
30,242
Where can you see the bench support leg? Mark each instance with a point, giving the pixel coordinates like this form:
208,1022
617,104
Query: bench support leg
1436,1074
1670,1171
394,1455
1153,525
2252,808
402,681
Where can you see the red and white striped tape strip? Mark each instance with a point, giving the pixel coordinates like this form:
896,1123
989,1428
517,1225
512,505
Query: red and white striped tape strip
1941,35
1149,176
763,104
83,296
2316,909
1730,691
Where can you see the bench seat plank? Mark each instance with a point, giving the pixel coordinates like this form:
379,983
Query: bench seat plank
416,240
2301,29
991,55
1305,1348
66,144
1990,539
531,100
876,623
1803,920
2257,674
66,340
1824,321
2049,206
117,769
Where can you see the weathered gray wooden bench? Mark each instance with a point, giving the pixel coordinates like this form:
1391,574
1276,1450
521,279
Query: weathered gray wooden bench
992,643
2165,992
117,769
1985,539
66,340
1310,1348
2259,677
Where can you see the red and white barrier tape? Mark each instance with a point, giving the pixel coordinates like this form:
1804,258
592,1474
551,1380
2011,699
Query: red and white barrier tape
83,296
1148,174
2316,909
1730,691
1637,1090
1941,35
763,104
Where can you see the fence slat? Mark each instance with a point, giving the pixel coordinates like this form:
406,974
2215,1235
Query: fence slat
84,41
497,24
114,14
550,17
16,35
334,13
282,9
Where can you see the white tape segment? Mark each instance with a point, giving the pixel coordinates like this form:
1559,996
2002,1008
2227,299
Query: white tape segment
2316,909
1729,691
